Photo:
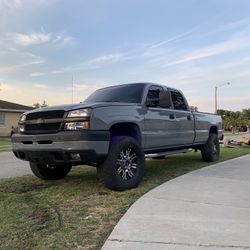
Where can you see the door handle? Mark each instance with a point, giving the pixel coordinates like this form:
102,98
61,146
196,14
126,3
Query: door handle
171,116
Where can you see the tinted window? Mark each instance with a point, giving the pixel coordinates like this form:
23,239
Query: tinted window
153,95
127,93
178,100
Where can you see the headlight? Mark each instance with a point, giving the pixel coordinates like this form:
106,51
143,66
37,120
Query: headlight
22,118
77,125
21,128
80,113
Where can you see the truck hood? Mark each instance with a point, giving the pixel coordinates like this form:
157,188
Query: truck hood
68,107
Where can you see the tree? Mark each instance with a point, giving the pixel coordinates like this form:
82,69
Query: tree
194,108
38,105
235,119
246,113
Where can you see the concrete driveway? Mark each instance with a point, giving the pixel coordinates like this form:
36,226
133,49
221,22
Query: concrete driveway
10,166
205,209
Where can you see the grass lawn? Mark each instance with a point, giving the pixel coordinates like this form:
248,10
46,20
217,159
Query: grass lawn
228,133
78,212
5,144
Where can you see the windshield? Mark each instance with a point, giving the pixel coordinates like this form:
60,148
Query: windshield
131,93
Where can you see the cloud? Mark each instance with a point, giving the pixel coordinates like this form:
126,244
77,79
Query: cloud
212,50
242,24
53,72
172,39
10,6
162,56
15,67
41,37
95,63
106,58
14,48
100,61
21,59
40,86
30,39
63,39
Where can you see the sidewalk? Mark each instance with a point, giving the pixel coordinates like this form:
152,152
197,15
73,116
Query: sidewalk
205,209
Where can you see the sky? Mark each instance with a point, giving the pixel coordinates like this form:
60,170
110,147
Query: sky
191,45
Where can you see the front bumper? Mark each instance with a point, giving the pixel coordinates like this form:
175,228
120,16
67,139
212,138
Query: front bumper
63,147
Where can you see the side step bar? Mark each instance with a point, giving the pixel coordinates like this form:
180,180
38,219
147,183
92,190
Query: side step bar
168,153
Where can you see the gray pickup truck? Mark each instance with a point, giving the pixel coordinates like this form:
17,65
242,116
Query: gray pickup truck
114,129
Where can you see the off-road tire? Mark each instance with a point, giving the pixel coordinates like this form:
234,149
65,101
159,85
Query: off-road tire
211,150
50,172
124,166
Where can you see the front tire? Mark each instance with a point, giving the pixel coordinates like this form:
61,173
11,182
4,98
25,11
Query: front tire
211,150
49,172
124,167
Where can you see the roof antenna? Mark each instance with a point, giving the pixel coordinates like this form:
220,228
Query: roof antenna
72,90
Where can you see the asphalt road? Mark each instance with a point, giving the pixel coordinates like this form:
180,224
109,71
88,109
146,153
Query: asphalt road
10,166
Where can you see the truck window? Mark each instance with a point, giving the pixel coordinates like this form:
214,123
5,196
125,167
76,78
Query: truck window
153,95
178,100
130,93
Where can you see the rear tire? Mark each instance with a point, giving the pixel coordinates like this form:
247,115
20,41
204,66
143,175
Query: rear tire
124,167
49,172
211,150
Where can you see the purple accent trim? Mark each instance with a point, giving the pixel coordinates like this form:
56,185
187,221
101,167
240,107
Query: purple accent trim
116,138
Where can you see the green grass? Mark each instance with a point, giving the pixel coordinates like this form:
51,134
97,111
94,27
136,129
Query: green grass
228,133
5,144
78,212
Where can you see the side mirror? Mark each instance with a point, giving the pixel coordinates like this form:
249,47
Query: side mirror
164,99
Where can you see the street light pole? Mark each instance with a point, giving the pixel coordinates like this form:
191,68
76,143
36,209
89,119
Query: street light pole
216,95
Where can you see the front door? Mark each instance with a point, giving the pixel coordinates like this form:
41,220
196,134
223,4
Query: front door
160,123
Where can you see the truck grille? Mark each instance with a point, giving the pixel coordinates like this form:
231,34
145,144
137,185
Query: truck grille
50,127
46,115
39,122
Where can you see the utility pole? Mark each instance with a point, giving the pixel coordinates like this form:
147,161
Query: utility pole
216,95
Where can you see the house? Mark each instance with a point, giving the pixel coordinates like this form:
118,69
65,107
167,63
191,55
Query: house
9,116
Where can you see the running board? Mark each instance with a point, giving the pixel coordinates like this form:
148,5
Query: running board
168,153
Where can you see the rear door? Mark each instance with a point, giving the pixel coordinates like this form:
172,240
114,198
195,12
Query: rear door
184,126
